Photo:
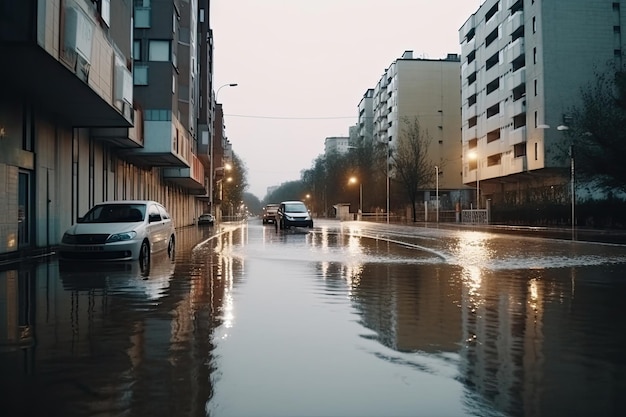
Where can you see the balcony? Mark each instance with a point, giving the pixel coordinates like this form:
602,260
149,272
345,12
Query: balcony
191,178
515,50
165,142
122,137
77,57
515,22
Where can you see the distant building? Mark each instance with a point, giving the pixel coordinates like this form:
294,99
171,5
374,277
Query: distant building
426,89
523,64
336,144
365,131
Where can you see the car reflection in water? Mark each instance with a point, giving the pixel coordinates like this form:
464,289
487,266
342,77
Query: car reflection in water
130,279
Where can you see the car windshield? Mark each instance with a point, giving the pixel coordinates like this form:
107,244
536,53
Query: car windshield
295,208
115,213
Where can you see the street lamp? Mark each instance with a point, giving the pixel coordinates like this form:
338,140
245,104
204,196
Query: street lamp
212,156
474,155
222,86
572,180
353,180
437,189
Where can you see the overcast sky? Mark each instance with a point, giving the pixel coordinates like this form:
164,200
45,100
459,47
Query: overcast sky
302,66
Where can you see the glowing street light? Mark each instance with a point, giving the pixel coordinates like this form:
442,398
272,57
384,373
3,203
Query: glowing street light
354,180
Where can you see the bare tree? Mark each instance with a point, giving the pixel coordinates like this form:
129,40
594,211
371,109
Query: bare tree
412,166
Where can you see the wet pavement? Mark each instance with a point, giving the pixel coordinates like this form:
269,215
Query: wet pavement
349,319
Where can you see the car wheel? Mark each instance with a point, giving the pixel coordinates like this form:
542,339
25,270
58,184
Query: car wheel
144,256
171,246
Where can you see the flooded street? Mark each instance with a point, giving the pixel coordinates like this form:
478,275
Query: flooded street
347,319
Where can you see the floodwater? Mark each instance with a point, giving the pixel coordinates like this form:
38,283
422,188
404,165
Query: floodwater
347,319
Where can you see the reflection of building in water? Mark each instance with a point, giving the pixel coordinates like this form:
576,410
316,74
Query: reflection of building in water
412,307
503,338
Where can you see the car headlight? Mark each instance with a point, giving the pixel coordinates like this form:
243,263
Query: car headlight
119,237
68,238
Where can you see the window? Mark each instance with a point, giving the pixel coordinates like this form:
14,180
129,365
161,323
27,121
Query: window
493,135
493,110
159,51
471,100
472,121
471,57
536,150
494,160
493,86
491,37
519,150
491,13
534,55
137,50
140,75
493,60
534,24
535,82
142,14
471,79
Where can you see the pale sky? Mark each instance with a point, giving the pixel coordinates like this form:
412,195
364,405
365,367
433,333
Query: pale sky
302,67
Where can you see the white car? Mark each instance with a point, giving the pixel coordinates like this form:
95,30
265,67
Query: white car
120,231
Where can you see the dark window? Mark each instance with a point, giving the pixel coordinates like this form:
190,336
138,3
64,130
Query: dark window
519,92
519,120
493,60
472,121
471,79
494,85
471,100
493,135
494,160
519,5
519,150
491,37
471,57
471,34
493,110
493,11
519,62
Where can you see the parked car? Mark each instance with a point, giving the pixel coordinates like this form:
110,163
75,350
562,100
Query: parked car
293,213
269,213
206,218
120,231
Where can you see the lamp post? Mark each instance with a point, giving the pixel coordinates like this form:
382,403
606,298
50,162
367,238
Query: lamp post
474,155
572,182
353,180
212,162
437,189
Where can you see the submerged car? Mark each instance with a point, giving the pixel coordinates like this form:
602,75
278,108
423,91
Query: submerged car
120,231
293,213
206,218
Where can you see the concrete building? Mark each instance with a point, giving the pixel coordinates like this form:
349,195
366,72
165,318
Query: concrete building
365,121
93,109
523,64
336,144
429,90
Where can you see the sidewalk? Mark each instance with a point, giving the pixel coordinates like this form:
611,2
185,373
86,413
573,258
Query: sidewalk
613,236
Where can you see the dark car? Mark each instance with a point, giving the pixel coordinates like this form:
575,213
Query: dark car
293,213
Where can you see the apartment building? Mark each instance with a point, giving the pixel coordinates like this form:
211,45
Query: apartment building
523,64
94,108
429,90
365,123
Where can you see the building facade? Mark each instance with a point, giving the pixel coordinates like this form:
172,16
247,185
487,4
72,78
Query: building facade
523,64
101,101
428,90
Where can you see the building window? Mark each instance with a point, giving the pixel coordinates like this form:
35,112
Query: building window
493,60
472,121
159,51
519,150
534,24
471,79
493,135
494,160
137,50
536,150
534,55
491,37
493,110
492,12
536,88
471,57
142,14
493,86
140,75
471,100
